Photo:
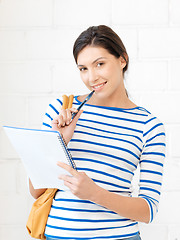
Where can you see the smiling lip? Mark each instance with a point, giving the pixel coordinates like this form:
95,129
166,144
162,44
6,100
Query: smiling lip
98,86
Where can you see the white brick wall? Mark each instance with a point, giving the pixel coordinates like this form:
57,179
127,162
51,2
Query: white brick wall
159,42
36,66
20,13
12,45
140,12
81,13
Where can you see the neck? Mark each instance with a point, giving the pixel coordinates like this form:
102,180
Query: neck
118,98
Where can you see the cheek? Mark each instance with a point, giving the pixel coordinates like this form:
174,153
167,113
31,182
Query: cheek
114,73
84,78
107,74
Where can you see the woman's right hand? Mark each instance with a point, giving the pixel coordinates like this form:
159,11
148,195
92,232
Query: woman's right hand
64,124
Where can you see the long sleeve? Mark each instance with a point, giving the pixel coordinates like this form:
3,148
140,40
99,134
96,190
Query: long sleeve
51,112
151,164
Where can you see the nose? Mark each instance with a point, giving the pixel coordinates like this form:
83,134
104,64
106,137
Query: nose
92,76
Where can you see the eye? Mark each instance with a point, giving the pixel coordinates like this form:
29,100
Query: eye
100,64
82,69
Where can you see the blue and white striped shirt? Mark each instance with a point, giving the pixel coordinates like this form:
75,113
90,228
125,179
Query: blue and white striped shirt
108,144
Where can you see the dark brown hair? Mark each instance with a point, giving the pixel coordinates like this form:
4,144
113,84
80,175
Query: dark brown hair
101,36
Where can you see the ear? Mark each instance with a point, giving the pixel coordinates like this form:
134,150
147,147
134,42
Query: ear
123,61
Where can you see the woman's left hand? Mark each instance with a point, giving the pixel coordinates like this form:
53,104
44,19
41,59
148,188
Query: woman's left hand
79,183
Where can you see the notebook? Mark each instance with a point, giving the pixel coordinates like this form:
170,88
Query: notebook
39,151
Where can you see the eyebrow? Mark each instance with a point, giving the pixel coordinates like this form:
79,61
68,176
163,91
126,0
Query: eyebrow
79,65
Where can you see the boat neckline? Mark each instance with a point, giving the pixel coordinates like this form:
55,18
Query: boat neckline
76,98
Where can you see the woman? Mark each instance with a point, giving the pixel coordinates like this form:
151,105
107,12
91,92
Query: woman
107,140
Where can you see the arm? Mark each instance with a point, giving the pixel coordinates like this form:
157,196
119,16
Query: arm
144,207
36,193
133,208
85,188
151,164
58,121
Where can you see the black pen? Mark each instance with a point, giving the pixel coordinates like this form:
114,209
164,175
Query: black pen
80,106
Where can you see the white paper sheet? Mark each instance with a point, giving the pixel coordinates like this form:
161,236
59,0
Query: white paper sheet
39,150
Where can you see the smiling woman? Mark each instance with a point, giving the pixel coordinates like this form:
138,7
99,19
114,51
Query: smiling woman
108,140
101,42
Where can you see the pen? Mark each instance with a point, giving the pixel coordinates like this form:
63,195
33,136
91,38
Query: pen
80,106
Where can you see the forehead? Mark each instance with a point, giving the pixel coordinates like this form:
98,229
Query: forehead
90,53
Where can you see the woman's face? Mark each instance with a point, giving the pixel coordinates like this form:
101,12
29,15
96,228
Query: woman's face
101,71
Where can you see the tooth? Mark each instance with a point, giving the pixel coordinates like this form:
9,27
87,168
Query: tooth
99,85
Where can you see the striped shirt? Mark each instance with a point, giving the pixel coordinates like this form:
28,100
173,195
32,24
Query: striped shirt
108,144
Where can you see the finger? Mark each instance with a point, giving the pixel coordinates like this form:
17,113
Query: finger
77,116
67,183
63,117
73,109
69,115
56,123
61,122
68,168
67,178
70,186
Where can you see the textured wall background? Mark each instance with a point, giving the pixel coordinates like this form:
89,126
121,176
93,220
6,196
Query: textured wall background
36,66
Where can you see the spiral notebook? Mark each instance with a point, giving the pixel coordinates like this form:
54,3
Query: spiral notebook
39,151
